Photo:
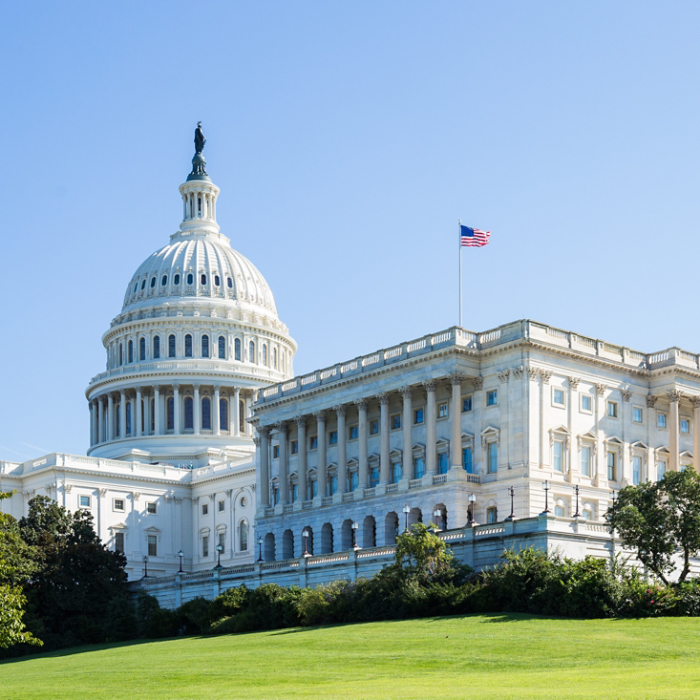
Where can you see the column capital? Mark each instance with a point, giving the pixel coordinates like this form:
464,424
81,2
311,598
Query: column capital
281,426
196,387
300,421
257,440
320,415
674,396
532,373
600,389
264,430
340,409
361,403
545,375
406,391
430,385
574,382
626,395
503,376
695,400
383,398
651,401
456,378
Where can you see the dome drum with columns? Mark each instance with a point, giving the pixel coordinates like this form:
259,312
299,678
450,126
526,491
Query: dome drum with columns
197,336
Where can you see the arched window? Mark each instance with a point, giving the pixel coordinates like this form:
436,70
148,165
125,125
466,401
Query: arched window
205,346
264,359
171,346
206,413
189,413
164,280
153,282
128,418
152,414
236,349
222,347
243,536
170,414
156,347
229,282
142,349
223,414
176,280
217,280
251,351
188,345
190,278
274,358
204,279
241,417
131,351
121,354
143,285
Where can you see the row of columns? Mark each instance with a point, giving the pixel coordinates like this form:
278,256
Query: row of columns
407,392
103,421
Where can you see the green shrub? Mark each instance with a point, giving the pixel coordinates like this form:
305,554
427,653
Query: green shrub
688,599
197,615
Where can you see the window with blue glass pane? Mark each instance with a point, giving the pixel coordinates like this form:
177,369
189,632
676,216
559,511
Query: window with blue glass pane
188,345
374,427
352,432
222,347
128,418
333,437
295,493
189,413
557,456
467,461
170,417
334,484
420,467
442,463
396,472
206,413
276,495
492,457
396,421
660,470
205,346
354,480
418,416
466,404
156,347
131,351
142,349
491,397
374,477
314,488
295,447
636,470
313,442
237,349
171,346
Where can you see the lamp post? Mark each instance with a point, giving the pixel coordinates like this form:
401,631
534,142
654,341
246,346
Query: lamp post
511,489
406,511
260,541
470,510
180,554
577,514
355,525
437,515
145,566
305,534
219,549
546,488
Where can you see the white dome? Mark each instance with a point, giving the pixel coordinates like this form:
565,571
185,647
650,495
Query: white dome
199,266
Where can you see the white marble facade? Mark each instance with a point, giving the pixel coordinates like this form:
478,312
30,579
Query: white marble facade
200,436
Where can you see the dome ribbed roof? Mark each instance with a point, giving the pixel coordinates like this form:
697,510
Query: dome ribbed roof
190,267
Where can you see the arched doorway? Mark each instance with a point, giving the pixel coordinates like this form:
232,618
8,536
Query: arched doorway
369,532
440,520
415,516
391,528
269,547
288,545
346,535
327,539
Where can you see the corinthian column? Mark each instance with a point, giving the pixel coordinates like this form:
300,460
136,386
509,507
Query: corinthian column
197,411
122,414
431,429
138,412
362,435
176,409
342,450
456,418
263,480
674,397
283,469
321,453
384,463
302,459
407,431
100,419
217,410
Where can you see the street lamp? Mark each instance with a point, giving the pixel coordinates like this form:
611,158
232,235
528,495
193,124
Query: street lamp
305,534
260,549
511,489
577,514
406,511
546,488
180,554
145,566
219,549
470,510
437,514
355,525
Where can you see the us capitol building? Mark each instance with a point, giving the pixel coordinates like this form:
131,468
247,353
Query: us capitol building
211,465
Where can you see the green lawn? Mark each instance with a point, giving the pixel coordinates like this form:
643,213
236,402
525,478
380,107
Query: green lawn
479,657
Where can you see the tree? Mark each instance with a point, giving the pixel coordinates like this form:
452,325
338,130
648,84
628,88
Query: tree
660,520
76,576
15,568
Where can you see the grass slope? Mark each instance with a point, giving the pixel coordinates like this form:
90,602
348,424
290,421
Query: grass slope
496,656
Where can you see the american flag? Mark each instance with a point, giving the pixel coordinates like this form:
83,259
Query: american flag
473,237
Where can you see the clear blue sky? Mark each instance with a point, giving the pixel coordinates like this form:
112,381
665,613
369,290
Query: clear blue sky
347,139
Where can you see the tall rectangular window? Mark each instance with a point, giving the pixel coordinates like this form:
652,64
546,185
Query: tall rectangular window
660,470
467,460
418,416
466,405
374,427
152,546
558,456
491,397
442,410
660,420
558,397
333,437
612,409
353,432
222,540
156,347
636,470
374,477
313,442
119,542
492,515
637,414
442,463
295,447
586,404
492,455
585,461
612,464
420,467
685,425
396,421
205,546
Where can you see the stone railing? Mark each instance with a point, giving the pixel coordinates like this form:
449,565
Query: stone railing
459,337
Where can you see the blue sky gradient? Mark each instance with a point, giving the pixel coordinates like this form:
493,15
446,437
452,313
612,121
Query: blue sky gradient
347,139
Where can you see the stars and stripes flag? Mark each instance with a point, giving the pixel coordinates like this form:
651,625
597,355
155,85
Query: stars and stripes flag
473,237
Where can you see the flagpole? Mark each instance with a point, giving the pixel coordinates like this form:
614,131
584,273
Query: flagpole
459,241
